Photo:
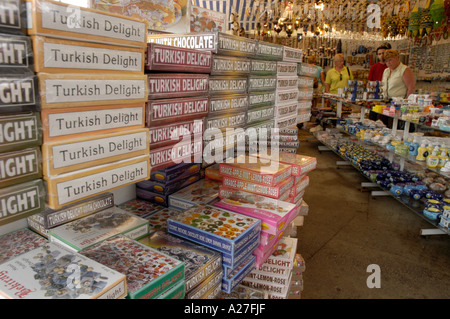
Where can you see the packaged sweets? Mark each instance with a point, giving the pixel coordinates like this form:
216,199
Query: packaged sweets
263,67
14,17
158,220
286,68
220,104
90,230
16,55
18,93
140,208
50,218
20,130
286,82
208,287
186,151
21,200
292,54
228,84
52,271
256,188
53,55
201,192
172,59
222,122
176,171
176,292
269,51
257,83
301,164
237,275
148,276
260,114
227,65
215,228
199,262
18,242
170,187
284,254
258,99
272,213
251,169
173,133
152,197
172,85
20,166
244,292
286,96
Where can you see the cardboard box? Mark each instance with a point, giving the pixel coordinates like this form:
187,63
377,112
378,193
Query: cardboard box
158,220
61,124
170,111
74,90
53,55
269,51
263,67
305,69
228,65
284,97
250,169
215,228
292,54
301,164
152,197
186,151
284,255
225,104
274,291
43,274
205,288
19,242
170,134
286,121
172,85
199,262
71,187
289,130
300,187
50,218
305,82
286,82
201,192
19,131
258,99
225,121
235,278
286,68
16,53
14,21
169,188
258,83
269,191
272,213
74,154
286,110
141,208
228,84
233,260
153,273
19,93
59,20
259,114
166,58
176,292
85,232
20,166
244,292
215,42
176,171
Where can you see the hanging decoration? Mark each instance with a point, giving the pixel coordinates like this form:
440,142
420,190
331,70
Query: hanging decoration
414,21
426,22
437,12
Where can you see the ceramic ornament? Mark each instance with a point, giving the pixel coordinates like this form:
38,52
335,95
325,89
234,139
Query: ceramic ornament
426,22
414,21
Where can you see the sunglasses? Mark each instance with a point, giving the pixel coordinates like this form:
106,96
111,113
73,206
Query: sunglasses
340,76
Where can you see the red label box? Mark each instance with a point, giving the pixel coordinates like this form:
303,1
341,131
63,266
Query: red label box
173,133
169,85
189,152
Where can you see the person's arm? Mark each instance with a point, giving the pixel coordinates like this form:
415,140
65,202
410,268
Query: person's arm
327,82
322,76
410,81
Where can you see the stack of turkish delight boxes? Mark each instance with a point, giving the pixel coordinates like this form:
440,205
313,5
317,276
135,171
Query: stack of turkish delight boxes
22,191
306,74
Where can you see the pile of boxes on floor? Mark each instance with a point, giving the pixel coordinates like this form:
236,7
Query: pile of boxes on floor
172,241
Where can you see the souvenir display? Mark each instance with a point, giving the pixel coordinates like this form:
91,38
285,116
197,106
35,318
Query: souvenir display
18,242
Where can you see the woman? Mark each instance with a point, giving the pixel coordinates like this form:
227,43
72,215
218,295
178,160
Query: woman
398,80
338,76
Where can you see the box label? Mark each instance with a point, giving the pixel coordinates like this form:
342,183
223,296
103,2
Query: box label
10,14
218,85
173,133
175,154
19,166
198,41
263,67
269,50
230,65
14,51
292,54
286,68
261,83
261,99
228,103
171,110
234,120
284,82
19,130
16,91
177,85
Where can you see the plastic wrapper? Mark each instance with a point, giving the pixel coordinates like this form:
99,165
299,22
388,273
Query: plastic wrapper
74,90
18,242
20,166
148,276
292,54
18,93
224,104
71,187
258,99
183,152
14,19
66,123
49,272
85,232
171,59
59,20
16,54
228,84
75,154
158,220
269,51
258,83
201,192
263,67
19,131
286,68
172,85
53,55
227,65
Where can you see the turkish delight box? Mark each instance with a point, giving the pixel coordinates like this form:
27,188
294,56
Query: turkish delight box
20,166
215,228
272,213
186,151
283,256
299,187
201,192
258,83
228,65
176,171
90,230
172,85
152,197
305,82
274,290
19,93
168,111
235,278
149,272
286,110
52,271
58,20
263,67
228,84
258,99
292,54
286,121
269,51
286,96
265,190
244,292
21,200
61,124
20,130
158,220
16,54
78,153
305,69
68,188
54,55
286,68
41,222
60,90
176,292
202,290
286,82
14,17
233,260
172,59
301,164
141,208
251,169
220,104
289,130
259,114
18,242
229,120
168,188
199,261
176,132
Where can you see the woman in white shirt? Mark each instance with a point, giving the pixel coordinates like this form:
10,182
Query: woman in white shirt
398,79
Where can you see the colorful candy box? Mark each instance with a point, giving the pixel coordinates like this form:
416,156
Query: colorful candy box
52,271
158,220
149,272
18,242
269,191
251,169
141,208
301,164
199,261
176,171
170,187
216,228
207,288
272,213
201,192
237,275
20,130
88,231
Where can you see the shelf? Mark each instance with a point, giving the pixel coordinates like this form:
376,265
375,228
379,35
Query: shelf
417,206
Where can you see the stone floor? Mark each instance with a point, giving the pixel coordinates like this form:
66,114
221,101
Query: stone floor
347,230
